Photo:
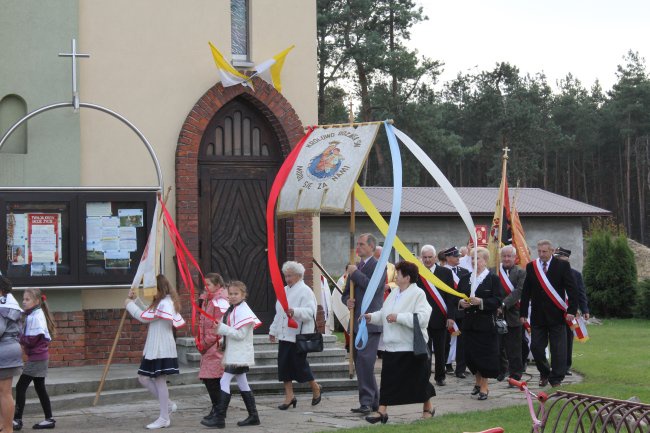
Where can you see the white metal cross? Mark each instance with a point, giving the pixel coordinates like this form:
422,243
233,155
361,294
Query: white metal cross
74,54
505,151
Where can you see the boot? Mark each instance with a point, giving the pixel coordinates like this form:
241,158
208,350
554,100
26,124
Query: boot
219,419
212,413
249,401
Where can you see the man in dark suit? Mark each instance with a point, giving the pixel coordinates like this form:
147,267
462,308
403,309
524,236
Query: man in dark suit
452,258
364,360
511,362
583,306
440,320
549,313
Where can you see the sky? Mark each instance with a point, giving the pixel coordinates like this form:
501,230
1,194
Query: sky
585,38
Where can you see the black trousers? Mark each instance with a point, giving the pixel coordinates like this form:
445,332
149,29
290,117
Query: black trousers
21,392
438,344
540,338
510,350
569,347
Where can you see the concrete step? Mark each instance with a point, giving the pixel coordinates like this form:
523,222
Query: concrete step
127,380
85,399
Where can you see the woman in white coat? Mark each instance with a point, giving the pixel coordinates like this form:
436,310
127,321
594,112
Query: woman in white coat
404,375
302,308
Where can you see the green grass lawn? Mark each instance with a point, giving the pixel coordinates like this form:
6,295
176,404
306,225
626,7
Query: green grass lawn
615,363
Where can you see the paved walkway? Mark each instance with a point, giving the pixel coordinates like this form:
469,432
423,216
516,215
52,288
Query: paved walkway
333,412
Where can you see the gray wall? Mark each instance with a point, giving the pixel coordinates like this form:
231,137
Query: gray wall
443,232
32,34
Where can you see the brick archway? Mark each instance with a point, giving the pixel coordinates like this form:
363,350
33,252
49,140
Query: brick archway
288,128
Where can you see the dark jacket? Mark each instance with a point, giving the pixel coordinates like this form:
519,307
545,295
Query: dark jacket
361,278
511,301
459,314
543,311
438,320
491,292
583,304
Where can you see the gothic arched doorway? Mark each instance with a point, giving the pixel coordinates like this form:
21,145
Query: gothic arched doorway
229,150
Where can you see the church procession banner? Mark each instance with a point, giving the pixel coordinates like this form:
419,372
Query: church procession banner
326,170
320,174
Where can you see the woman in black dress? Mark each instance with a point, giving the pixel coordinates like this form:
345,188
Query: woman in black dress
479,325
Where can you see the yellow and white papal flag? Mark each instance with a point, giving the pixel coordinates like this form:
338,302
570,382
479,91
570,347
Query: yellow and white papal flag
229,75
326,169
271,69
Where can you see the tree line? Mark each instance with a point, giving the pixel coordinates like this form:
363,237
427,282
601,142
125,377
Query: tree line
584,143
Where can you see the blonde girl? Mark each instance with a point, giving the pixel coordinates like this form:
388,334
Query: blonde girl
236,328
35,340
159,355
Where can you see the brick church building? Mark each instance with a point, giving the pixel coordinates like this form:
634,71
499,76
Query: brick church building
218,148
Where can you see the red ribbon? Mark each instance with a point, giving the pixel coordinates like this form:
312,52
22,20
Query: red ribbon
183,259
278,183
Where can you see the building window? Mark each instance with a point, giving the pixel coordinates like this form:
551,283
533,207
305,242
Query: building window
12,109
239,33
73,238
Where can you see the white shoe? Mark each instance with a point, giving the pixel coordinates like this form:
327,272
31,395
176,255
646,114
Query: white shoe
172,407
159,423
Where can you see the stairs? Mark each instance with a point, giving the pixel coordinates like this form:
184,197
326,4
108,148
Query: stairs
75,387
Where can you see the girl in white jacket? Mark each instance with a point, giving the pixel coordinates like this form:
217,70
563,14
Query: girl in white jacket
237,329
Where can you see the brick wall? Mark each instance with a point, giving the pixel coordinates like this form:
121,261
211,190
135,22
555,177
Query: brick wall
86,338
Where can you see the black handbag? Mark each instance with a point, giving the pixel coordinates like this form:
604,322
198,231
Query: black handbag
420,346
308,343
501,325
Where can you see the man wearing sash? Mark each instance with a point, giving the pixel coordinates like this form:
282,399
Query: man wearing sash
364,360
443,308
512,280
452,260
583,307
550,290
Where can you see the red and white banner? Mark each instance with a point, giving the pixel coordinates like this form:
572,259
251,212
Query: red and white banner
579,327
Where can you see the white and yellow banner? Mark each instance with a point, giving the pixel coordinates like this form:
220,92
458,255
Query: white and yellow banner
326,170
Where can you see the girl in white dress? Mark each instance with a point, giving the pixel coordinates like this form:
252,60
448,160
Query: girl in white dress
159,356
237,331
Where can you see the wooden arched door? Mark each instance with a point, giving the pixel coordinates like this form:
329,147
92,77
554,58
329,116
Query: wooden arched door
239,158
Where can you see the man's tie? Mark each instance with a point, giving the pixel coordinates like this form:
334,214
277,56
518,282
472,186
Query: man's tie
361,265
544,267
455,269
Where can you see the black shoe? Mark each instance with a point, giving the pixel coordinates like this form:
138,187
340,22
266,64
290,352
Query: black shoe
501,377
219,418
482,395
543,382
45,424
449,369
475,390
212,412
440,383
363,409
285,406
568,373
18,424
461,375
383,417
315,401
249,401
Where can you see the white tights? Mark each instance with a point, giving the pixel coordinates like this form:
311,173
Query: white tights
242,382
158,387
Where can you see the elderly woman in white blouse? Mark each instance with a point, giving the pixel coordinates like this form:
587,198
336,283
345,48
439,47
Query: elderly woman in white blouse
404,375
302,308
